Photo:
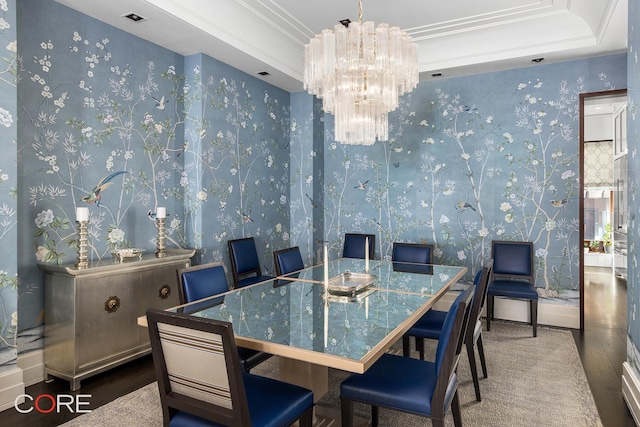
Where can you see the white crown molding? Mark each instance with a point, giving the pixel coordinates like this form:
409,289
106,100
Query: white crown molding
269,35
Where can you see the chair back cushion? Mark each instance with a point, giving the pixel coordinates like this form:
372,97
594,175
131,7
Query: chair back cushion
354,245
513,259
202,281
448,335
481,284
244,255
412,257
288,260
186,352
197,366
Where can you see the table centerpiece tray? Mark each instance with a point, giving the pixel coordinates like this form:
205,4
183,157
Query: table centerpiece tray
350,283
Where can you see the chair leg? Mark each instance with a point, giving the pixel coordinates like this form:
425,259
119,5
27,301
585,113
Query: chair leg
420,347
534,316
489,311
374,416
483,362
455,410
406,344
474,369
306,420
346,412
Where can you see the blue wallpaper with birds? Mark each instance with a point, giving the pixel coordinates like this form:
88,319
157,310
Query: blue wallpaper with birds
475,159
8,186
633,135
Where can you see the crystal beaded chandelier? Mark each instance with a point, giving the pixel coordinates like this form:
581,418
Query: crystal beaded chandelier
359,71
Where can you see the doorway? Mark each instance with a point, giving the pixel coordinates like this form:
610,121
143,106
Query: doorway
601,184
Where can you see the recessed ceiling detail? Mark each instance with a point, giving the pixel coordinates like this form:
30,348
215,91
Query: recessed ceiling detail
454,38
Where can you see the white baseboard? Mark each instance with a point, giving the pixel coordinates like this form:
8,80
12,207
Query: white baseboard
32,365
11,386
548,314
631,390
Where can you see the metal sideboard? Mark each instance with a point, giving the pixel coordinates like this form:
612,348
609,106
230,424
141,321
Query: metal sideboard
91,314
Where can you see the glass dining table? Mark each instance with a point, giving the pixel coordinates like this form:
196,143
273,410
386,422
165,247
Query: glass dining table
313,327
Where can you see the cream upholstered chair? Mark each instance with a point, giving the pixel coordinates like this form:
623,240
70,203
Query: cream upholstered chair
201,383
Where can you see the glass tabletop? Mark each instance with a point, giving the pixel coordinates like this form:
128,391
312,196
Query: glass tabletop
390,276
292,316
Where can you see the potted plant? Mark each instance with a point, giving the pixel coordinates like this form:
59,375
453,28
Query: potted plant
606,237
594,246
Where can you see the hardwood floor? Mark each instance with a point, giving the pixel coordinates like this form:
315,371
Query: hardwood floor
102,388
602,348
603,343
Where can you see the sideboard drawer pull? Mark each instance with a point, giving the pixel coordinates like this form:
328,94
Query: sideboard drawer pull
165,291
112,304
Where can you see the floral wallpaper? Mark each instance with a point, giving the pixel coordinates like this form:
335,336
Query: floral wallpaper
633,135
235,178
474,159
8,186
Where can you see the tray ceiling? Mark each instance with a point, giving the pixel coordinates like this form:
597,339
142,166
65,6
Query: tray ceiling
454,38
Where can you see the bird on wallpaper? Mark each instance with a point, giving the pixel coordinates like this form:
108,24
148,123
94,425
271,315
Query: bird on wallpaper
468,109
245,217
377,224
96,193
559,203
461,206
183,149
161,103
313,204
362,185
396,164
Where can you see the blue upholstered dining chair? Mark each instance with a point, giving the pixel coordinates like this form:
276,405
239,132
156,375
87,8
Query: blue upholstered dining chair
412,257
201,281
206,280
411,385
354,245
288,260
430,326
513,277
245,265
201,382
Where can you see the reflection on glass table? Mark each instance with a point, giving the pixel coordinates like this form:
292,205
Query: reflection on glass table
292,317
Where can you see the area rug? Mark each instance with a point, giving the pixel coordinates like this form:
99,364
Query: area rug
532,382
